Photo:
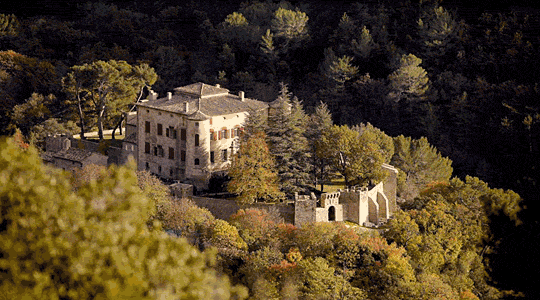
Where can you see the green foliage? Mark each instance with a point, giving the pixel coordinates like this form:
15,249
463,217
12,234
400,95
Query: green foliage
447,232
290,24
385,142
32,112
20,77
319,281
409,81
256,227
9,25
357,157
106,87
365,45
252,172
437,30
39,132
236,19
318,123
287,141
93,243
221,234
342,71
420,164
183,218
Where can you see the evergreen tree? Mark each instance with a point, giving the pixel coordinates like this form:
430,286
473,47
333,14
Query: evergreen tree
252,172
9,25
318,123
287,141
420,164
256,122
409,81
107,86
437,30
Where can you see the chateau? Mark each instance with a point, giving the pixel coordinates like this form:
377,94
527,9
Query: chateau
191,134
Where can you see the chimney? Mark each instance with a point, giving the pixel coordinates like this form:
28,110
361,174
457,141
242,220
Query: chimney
241,95
218,86
152,95
169,95
186,106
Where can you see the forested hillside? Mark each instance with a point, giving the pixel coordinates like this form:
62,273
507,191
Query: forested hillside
466,78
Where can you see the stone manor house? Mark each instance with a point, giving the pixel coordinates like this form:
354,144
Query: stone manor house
191,134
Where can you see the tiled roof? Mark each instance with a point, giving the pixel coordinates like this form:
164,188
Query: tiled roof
214,102
47,156
203,90
73,154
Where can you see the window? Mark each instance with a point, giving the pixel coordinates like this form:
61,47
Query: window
167,132
146,147
147,166
159,169
159,129
197,161
155,151
196,124
171,172
183,155
147,126
210,121
224,133
183,134
196,140
212,156
171,153
160,150
174,133
224,154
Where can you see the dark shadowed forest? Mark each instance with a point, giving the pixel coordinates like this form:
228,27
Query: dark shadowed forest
465,76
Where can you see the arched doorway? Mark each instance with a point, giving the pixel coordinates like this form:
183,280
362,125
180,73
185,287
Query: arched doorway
331,214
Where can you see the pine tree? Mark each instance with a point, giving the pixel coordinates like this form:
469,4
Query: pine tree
287,141
318,123
252,172
420,164
409,81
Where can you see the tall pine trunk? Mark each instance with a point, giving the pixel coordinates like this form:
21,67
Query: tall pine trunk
100,122
81,117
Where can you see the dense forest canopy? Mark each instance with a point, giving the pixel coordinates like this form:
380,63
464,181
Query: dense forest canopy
463,75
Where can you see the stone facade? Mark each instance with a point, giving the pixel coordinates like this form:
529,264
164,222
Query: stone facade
365,206
191,134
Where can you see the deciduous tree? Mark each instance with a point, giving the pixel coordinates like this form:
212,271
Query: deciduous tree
357,157
252,172
93,243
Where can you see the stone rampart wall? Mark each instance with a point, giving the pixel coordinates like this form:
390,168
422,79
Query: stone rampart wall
225,208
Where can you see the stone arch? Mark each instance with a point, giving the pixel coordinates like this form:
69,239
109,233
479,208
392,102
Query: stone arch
331,213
